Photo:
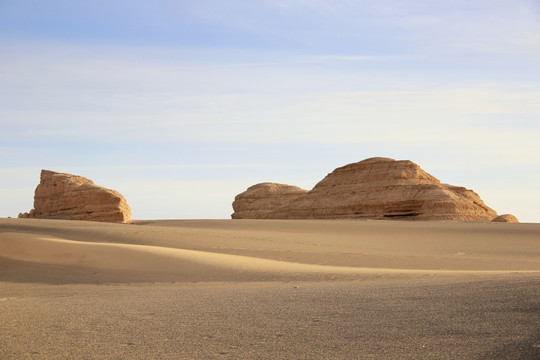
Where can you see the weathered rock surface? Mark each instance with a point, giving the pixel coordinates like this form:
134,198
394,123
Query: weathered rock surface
376,188
66,196
509,218
262,198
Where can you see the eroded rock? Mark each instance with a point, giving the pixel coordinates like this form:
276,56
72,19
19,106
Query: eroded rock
262,198
508,218
66,196
376,188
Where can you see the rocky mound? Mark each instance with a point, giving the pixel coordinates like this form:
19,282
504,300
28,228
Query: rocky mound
509,218
262,198
376,188
66,196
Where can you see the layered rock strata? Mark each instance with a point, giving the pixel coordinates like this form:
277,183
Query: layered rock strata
376,188
66,196
262,198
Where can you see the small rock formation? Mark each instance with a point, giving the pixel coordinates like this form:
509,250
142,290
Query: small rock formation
376,188
262,198
508,218
66,196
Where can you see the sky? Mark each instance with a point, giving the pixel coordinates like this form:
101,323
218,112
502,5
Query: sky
181,105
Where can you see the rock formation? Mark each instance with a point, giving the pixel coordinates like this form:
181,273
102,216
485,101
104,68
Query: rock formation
376,188
509,218
262,198
66,196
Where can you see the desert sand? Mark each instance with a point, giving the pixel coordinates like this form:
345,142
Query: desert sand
269,289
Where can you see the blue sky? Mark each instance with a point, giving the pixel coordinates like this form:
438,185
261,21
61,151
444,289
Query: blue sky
181,105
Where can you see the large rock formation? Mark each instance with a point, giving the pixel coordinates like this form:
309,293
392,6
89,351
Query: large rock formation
66,196
376,188
260,199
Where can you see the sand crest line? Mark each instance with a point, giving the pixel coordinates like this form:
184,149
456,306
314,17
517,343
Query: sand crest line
131,257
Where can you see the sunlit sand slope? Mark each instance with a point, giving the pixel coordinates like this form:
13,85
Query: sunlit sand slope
261,250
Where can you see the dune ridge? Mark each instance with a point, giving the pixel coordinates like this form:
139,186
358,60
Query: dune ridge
161,259
270,250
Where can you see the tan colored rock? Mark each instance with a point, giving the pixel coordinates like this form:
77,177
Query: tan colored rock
508,218
262,198
379,188
66,196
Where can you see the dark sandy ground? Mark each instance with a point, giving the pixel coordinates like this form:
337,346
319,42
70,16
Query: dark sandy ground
430,319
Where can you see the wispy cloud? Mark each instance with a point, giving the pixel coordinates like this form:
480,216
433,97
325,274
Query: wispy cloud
132,100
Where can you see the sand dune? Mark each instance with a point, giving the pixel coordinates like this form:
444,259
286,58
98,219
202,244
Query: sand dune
254,250
268,289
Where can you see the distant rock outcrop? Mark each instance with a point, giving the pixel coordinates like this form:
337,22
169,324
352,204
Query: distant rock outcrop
260,199
66,196
376,188
508,218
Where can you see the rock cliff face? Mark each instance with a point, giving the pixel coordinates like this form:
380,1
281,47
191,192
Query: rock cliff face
376,188
261,199
66,196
